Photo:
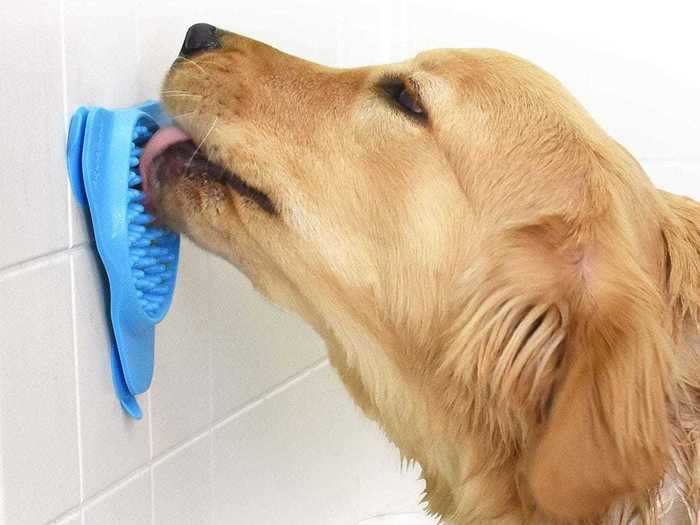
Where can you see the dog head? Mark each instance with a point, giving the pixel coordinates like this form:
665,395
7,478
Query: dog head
463,210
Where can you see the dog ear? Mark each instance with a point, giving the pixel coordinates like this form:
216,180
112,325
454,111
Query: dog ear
504,345
681,231
607,435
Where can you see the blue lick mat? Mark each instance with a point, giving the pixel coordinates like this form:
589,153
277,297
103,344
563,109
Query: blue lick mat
139,257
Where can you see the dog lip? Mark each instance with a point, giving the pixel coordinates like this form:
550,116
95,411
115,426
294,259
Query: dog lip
177,156
159,142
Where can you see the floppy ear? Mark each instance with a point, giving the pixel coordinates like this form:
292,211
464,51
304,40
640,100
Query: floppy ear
607,435
681,232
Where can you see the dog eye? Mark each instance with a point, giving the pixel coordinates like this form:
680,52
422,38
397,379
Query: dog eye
404,95
408,101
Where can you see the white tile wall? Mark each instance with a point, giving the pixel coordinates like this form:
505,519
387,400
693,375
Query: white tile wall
127,504
34,220
254,344
112,444
73,519
245,422
182,487
308,456
38,433
181,391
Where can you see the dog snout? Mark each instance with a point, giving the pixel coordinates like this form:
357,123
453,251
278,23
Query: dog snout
200,37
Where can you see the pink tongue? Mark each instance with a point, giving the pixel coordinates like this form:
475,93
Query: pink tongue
162,139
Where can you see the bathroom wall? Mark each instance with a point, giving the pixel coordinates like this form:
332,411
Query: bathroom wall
245,422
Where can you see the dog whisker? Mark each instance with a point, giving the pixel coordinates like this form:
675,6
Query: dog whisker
186,114
181,116
209,62
180,95
188,61
206,136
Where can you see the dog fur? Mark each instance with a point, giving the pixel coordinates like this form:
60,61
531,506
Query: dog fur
500,286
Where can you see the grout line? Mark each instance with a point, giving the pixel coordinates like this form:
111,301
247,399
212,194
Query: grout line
171,453
64,86
210,366
106,492
78,414
211,477
246,407
69,253
164,456
176,449
2,485
149,412
62,16
153,494
65,516
293,380
216,424
39,260
150,455
115,487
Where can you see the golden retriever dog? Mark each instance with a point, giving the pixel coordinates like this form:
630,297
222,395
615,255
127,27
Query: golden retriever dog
500,286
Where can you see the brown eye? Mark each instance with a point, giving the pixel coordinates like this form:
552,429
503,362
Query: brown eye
403,94
408,101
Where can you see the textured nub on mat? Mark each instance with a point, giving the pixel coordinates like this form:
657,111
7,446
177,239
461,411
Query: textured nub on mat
151,249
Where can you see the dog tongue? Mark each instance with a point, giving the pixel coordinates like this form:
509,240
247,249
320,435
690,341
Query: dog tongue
160,141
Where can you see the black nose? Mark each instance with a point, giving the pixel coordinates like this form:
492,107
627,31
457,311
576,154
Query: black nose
200,37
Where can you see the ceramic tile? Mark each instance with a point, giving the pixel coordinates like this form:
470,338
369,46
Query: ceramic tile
102,46
256,345
34,213
38,424
182,486
181,390
310,451
73,519
113,445
129,504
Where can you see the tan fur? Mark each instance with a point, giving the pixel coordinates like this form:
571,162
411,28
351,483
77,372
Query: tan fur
500,286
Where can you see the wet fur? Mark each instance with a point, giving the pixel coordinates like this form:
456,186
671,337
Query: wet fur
500,286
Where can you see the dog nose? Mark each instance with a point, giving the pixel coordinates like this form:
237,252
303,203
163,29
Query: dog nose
200,37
